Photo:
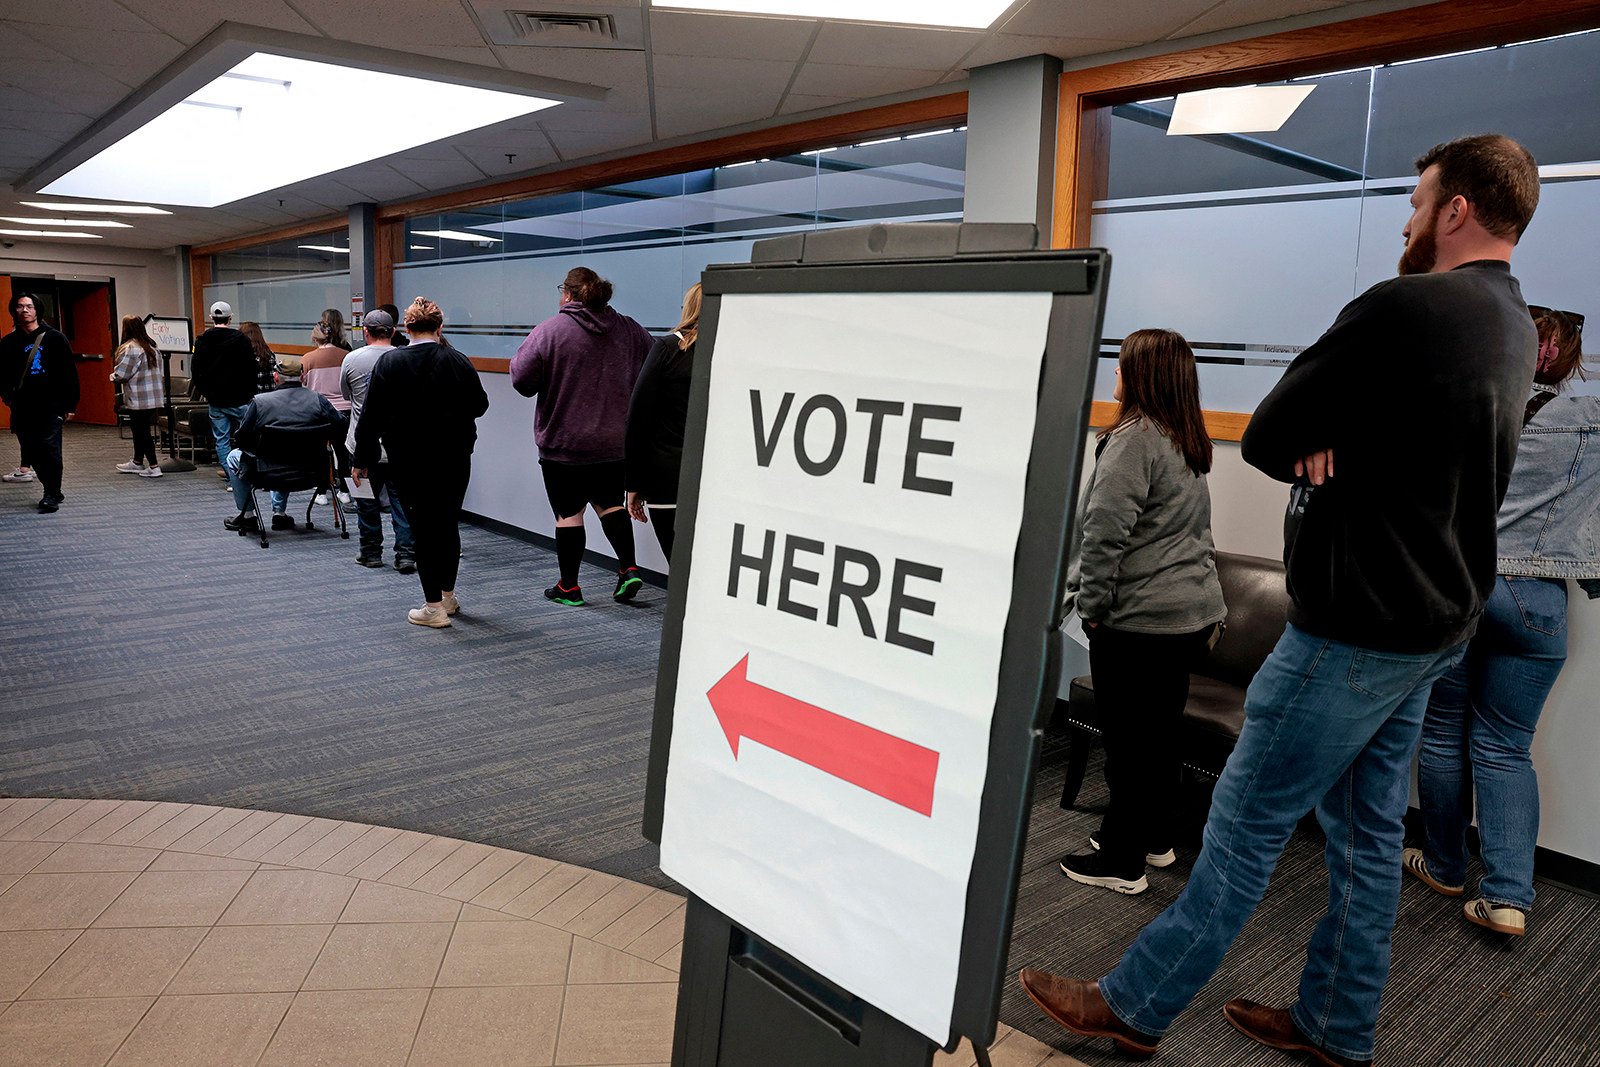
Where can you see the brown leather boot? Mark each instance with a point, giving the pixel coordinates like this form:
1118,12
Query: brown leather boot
1275,1028
1079,1007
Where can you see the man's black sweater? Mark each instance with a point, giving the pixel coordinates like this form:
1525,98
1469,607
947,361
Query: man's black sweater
224,367
38,383
1418,388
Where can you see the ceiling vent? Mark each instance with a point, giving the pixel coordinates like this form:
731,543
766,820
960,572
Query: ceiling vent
564,28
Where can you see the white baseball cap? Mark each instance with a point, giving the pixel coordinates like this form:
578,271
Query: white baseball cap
221,308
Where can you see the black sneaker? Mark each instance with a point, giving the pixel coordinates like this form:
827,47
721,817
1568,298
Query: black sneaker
628,583
242,524
561,595
1156,857
49,505
281,521
370,561
1097,868
405,565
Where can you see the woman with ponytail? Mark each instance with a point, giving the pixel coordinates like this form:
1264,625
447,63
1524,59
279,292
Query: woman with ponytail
144,393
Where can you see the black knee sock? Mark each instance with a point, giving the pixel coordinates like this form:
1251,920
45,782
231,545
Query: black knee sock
569,553
619,531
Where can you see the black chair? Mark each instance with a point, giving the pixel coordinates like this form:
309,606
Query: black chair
1258,611
292,465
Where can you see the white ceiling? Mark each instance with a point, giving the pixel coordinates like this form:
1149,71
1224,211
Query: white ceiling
68,62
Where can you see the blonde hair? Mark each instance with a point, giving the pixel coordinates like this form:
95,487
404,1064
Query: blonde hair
424,316
688,328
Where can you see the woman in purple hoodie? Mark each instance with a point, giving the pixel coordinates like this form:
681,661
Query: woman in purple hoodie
582,363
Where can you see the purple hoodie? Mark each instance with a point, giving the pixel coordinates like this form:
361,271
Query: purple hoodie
582,364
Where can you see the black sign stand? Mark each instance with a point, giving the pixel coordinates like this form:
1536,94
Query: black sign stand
742,1002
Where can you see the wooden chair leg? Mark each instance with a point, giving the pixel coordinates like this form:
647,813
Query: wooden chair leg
1078,744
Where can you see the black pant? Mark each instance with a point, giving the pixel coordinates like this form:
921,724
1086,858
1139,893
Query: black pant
663,519
431,495
144,446
40,438
1141,683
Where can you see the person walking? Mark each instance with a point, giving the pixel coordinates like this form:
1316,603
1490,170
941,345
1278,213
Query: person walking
1478,732
355,377
422,406
39,383
138,372
582,363
1390,554
657,415
1144,581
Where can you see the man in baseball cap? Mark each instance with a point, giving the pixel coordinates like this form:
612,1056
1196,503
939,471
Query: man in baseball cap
224,371
221,312
355,375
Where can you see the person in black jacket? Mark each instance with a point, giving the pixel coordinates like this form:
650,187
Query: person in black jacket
1390,551
284,432
657,414
224,369
423,403
39,382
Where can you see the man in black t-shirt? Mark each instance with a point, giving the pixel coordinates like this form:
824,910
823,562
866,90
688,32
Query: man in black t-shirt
39,382
224,369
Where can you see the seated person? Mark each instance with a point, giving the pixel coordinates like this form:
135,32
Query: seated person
285,432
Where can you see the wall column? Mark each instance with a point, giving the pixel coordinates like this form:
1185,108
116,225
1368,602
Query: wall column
363,260
1011,142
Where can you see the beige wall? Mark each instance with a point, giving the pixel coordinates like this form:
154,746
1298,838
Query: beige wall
146,281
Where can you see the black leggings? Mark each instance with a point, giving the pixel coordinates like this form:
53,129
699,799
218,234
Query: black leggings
663,520
432,496
144,446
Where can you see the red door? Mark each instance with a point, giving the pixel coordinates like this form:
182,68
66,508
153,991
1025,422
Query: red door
89,322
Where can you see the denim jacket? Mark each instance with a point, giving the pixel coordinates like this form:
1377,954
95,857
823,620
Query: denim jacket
1549,524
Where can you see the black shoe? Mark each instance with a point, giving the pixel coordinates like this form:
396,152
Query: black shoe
628,583
405,565
281,521
49,505
1156,857
242,524
561,595
1097,868
370,561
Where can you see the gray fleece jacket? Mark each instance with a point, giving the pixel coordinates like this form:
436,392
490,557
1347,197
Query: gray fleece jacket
1142,555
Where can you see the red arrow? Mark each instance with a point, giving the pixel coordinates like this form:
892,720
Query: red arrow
880,763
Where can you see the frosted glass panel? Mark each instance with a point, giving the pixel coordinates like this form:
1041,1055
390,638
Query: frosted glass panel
286,308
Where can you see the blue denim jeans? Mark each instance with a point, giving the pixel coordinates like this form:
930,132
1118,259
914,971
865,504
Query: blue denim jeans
1477,734
224,421
241,489
369,518
1327,725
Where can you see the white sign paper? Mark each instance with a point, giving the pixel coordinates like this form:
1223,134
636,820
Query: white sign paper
169,334
852,574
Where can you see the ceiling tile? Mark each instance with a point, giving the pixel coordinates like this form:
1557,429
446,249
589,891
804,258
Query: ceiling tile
680,112
493,162
1005,46
559,118
690,72
399,20
620,71
190,20
578,144
796,103
99,17
438,173
378,182
830,79
1125,20
682,33
58,124
1231,14
480,55
137,58
891,46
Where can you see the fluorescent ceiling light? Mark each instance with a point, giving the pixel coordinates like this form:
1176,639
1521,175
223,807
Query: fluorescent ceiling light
424,248
965,14
1570,170
1245,109
327,248
50,233
99,209
252,129
104,223
458,235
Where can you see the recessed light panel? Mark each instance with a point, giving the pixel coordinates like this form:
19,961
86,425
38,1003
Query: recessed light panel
266,123
1244,109
105,224
458,235
962,14
99,209
327,248
49,233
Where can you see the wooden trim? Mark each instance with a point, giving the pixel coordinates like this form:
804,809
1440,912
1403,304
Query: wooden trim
387,250
777,141
282,233
1221,425
1082,156
491,364
199,278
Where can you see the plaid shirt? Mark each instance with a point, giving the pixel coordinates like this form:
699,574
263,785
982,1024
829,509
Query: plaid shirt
142,388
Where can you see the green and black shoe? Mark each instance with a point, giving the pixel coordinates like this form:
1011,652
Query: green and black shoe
561,595
628,583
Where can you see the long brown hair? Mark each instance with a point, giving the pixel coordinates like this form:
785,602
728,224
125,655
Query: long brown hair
1160,383
133,330
265,356
688,328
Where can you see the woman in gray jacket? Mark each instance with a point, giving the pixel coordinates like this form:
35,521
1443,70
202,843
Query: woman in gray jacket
1144,581
1481,716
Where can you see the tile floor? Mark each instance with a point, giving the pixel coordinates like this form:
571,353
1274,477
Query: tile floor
170,934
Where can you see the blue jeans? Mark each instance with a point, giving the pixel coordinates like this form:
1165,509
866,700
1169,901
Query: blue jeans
224,421
241,489
1477,734
369,518
1327,725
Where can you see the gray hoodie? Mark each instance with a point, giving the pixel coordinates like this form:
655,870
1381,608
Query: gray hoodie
1142,555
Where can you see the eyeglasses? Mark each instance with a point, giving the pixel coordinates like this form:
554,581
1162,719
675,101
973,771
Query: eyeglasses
561,288
1571,318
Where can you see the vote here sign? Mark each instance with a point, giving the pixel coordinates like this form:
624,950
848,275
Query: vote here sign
852,567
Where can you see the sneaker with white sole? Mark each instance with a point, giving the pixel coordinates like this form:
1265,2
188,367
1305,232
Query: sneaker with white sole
320,499
1099,869
452,606
151,471
1416,865
130,467
344,497
18,475
1501,918
429,615
1164,858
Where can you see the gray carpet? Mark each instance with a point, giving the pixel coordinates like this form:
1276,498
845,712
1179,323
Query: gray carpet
148,654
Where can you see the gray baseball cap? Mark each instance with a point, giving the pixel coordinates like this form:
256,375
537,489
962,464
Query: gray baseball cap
380,319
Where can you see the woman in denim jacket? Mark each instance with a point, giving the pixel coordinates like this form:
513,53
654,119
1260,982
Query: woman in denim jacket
1482,714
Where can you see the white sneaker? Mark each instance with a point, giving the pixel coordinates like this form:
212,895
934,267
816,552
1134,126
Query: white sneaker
344,498
130,467
451,604
18,475
320,498
428,615
150,472
1501,918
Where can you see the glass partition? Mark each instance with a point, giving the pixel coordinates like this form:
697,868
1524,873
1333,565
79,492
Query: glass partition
284,285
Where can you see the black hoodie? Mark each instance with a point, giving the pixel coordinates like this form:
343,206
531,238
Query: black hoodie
38,382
